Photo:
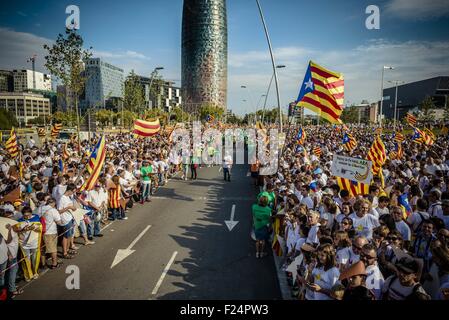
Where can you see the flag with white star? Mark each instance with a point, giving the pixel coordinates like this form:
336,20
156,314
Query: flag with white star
322,91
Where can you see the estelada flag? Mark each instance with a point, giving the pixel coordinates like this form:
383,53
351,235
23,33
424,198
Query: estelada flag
146,128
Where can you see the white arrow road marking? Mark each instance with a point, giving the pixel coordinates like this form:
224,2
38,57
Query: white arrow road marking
164,273
231,223
122,254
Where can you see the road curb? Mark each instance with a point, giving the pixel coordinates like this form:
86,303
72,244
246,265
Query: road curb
282,278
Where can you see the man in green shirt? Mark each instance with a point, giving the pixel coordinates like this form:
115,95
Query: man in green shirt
145,174
261,219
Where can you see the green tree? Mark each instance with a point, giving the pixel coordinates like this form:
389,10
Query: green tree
41,120
7,119
212,110
66,118
133,94
178,115
65,61
104,116
350,115
427,112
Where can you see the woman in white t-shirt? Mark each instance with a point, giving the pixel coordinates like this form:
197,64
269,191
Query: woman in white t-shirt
325,274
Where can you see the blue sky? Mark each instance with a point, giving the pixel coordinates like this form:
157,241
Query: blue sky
142,34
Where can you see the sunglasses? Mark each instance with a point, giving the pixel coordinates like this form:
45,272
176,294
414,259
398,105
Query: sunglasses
366,256
345,223
356,247
392,238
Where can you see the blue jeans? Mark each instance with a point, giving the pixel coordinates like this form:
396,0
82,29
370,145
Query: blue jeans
94,226
115,213
12,274
2,273
146,187
227,173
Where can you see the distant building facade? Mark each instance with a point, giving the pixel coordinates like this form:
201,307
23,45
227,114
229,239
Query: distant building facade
24,80
410,96
367,112
25,106
103,81
6,81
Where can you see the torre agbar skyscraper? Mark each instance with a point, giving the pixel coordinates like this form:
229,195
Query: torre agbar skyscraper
204,53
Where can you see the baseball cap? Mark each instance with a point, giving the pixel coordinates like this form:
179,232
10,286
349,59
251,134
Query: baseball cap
318,171
408,265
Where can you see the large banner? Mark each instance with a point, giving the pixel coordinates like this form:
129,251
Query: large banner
354,169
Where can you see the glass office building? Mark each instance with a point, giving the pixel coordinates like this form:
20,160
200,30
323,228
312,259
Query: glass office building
204,53
104,81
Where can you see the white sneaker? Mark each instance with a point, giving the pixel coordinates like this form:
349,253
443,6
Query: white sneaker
257,255
125,218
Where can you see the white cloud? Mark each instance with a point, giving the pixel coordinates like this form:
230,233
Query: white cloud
120,55
17,47
360,65
418,9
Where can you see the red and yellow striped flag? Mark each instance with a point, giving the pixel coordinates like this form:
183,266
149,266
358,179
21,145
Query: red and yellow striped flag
55,130
378,155
12,146
411,119
146,128
100,151
41,132
354,188
322,91
317,151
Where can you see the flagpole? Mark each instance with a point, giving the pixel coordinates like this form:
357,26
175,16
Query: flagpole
273,63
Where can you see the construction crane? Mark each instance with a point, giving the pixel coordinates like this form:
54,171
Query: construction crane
33,63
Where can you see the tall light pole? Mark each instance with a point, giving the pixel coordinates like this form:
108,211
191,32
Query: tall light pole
280,66
382,90
273,63
153,73
396,82
250,97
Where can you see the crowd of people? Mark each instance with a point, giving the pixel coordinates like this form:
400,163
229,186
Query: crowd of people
41,196
338,245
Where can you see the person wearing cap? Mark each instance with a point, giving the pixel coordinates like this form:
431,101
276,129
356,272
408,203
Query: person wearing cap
405,285
356,289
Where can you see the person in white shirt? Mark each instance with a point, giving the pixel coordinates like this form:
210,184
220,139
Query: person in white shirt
445,215
59,190
313,218
353,254
306,199
12,247
382,207
363,222
65,205
52,220
416,218
374,277
227,165
401,226
95,201
325,274
435,208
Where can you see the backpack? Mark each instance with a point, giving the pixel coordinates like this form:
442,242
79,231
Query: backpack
415,295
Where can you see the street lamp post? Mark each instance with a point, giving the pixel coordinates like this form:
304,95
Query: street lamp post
153,73
273,63
250,97
382,90
396,82
268,90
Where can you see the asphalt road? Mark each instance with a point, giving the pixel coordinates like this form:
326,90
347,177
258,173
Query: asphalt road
187,230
